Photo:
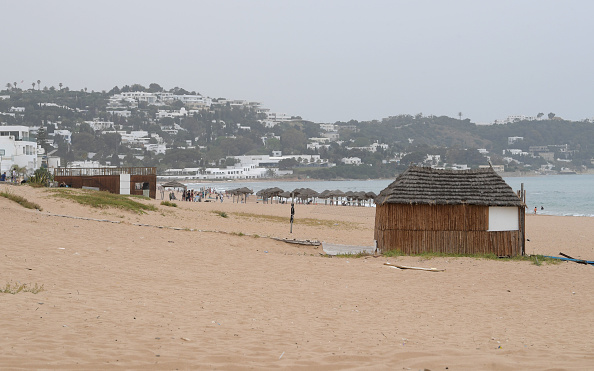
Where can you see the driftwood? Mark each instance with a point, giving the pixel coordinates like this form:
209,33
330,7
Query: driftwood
413,268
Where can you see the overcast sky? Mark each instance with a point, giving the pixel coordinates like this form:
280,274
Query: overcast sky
324,60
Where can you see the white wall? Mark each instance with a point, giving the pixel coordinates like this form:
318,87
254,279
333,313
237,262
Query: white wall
124,184
503,219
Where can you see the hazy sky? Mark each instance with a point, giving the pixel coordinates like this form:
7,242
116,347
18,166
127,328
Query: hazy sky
325,60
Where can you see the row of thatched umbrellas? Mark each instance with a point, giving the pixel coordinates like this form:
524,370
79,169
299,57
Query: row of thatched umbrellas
306,194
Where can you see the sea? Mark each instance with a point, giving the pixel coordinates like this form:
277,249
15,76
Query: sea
567,195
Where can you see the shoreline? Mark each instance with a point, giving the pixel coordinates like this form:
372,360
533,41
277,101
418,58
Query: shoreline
298,179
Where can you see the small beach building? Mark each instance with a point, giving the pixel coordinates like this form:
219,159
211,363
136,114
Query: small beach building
140,181
450,211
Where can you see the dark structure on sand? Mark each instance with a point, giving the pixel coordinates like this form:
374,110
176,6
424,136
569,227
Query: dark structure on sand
140,181
450,211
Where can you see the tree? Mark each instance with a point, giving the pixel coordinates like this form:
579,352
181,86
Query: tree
551,115
287,163
8,86
293,139
540,114
33,85
154,88
38,84
60,85
460,115
113,91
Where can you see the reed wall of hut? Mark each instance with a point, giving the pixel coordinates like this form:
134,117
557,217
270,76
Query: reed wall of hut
448,229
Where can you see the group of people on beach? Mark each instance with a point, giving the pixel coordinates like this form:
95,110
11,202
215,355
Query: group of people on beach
191,195
13,177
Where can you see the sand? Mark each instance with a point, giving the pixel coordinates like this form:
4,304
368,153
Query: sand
120,295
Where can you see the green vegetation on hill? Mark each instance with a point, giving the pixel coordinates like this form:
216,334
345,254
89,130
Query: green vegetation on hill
205,138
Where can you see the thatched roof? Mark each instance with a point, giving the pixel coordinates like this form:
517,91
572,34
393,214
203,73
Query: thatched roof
173,184
424,185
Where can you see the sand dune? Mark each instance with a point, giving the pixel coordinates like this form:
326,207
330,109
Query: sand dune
119,295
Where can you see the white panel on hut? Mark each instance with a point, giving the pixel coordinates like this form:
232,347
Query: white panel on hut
503,219
124,184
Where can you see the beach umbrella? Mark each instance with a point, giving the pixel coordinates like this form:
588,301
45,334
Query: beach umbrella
360,196
274,192
263,192
244,191
324,194
337,193
307,193
370,196
285,194
297,191
312,193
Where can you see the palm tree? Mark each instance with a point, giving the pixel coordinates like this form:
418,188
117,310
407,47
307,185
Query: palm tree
15,84
8,86
33,85
38,84
460,115
60,85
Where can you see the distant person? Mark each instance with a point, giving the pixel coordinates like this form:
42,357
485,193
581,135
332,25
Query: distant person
3,177
535,210
542,207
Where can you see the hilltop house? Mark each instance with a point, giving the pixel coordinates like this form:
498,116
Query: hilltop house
18,148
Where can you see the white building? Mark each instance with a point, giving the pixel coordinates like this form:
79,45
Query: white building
194,101
238,172
122,113
86,164
351,161
98,125
268,123
139,96
278,117
164,113
135,137
66,134
512,140
332,135
17,148
156,148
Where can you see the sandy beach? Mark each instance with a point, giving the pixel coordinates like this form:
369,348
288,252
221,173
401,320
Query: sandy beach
185,288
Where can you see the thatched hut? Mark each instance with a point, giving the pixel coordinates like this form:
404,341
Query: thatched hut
448,211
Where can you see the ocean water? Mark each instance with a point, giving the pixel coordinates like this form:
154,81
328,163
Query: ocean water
557,194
